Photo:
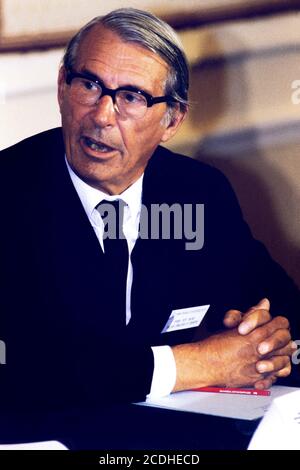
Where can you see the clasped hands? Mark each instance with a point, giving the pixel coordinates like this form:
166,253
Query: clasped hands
254,351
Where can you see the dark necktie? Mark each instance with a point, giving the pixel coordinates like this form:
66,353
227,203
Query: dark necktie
115,249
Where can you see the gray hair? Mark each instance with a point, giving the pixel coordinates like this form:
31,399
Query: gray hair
150,32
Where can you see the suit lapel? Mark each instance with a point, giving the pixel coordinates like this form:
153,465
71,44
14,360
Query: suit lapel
152,264
79,275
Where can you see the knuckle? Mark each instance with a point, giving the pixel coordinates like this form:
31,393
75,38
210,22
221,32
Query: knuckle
232,317
280,320
282,338
266,314
284,368
258,335
283,361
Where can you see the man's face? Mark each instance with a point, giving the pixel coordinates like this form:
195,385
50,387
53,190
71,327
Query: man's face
124,144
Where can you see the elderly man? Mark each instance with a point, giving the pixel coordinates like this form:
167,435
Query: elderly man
85,315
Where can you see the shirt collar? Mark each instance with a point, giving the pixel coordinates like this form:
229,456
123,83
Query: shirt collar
90,197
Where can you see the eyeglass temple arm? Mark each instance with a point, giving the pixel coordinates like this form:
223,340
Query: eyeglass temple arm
162,99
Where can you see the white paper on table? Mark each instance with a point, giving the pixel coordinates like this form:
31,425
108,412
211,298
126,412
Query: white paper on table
45,445
246,407
280,427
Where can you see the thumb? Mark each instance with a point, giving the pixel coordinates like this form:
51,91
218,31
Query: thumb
232,318
263,304
255,316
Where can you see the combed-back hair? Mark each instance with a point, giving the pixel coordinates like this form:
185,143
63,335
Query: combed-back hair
150,32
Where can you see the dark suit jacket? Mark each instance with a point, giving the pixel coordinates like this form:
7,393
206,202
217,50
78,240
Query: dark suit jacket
66,340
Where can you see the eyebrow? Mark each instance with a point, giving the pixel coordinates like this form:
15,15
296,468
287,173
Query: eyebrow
96,78
91,75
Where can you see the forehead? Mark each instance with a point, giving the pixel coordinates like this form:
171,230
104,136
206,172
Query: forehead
118,62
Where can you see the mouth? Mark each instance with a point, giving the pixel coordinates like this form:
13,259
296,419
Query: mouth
96,146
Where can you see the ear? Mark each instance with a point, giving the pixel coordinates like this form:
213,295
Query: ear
174,124
61,84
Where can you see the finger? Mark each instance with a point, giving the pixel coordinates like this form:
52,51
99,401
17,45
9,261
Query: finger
265,331
288,350
263,304
253,320
285,371
267,382
274,365
232,318
269,379
279,339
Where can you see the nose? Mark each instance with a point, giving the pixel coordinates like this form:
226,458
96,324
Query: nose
104,113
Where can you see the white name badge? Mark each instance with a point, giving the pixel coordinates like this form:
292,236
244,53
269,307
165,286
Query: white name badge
185,318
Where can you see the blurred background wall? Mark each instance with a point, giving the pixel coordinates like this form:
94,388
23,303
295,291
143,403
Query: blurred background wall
245,94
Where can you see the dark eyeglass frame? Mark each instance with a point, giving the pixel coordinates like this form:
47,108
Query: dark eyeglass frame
71,74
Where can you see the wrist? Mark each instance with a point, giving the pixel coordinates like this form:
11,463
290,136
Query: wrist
197,365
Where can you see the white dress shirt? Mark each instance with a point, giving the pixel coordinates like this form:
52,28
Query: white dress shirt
164,374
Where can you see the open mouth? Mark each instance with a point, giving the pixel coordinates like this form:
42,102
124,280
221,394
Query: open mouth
97,146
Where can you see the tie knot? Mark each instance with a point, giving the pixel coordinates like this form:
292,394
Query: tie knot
112,213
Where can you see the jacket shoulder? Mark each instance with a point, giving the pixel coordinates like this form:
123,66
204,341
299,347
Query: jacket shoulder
190,175
32,148
28,162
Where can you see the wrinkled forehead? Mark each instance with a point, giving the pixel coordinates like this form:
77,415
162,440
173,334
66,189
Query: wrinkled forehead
101,37
103,50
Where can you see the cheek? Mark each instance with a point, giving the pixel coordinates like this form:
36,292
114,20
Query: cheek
67,116
71,117
142,134
130,135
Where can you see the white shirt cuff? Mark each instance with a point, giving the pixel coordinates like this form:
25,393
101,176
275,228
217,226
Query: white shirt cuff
164,374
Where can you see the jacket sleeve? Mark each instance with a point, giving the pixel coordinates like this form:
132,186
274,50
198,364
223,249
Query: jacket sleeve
246,271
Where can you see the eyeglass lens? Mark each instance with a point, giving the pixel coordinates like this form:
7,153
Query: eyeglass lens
128,103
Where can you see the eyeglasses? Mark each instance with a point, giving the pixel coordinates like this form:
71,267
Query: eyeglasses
130,102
